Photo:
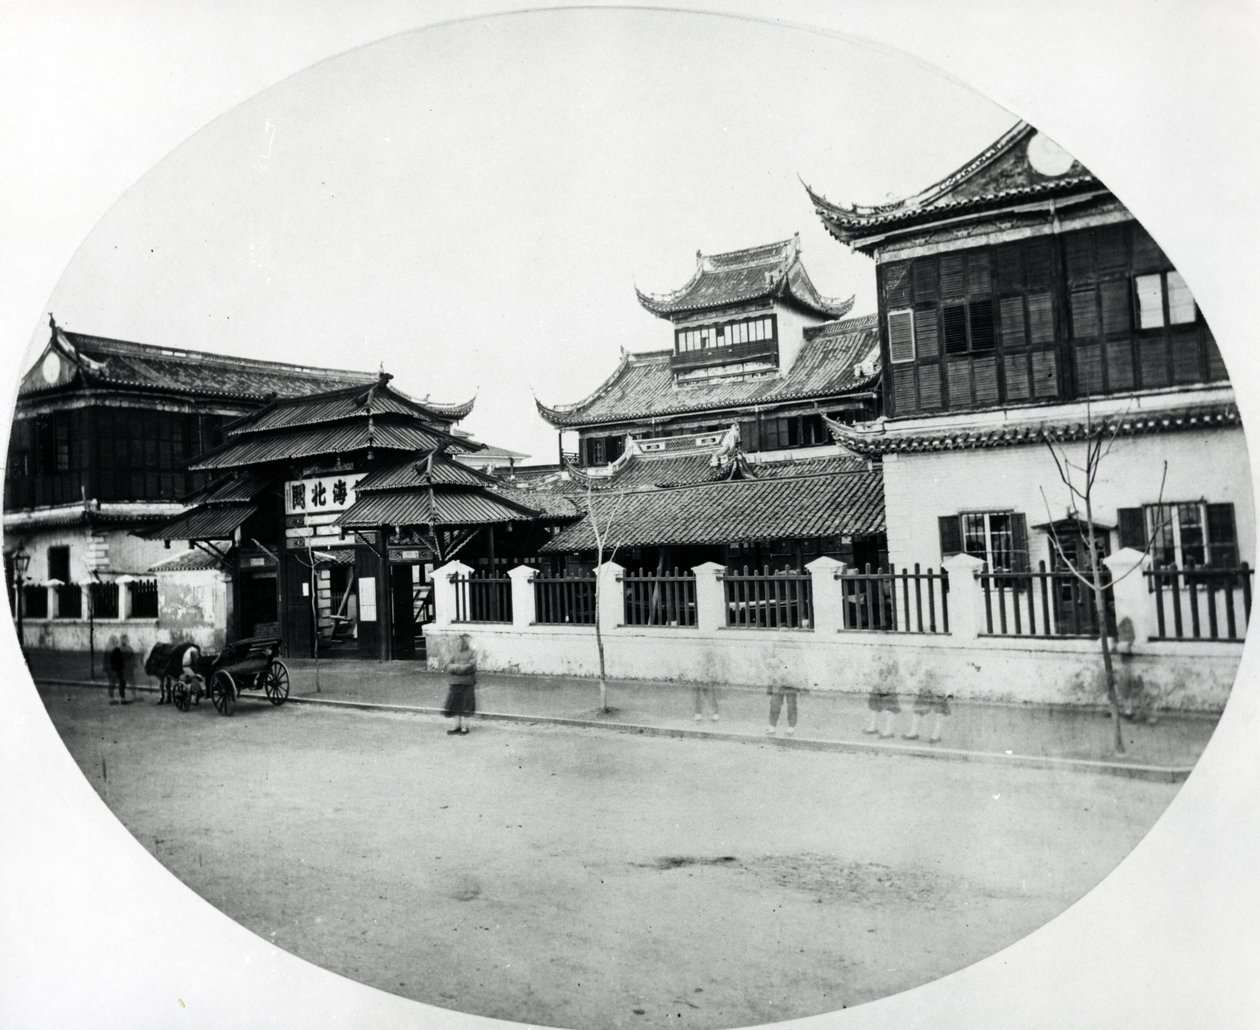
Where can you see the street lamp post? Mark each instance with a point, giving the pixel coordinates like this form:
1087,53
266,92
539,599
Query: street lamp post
21,563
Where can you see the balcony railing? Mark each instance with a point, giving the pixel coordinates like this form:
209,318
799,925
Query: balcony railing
753,350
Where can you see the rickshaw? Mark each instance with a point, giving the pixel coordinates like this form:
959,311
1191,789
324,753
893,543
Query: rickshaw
251,663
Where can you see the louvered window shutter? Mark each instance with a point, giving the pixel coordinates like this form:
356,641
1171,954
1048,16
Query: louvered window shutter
1019,542
1132,528
1222,541
900,336
951,535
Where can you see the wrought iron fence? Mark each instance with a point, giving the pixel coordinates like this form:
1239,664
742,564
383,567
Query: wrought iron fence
104,598
482,598
769,600
1046,603
35,602
565,599
660,599
69,601
896,602
1202,604
143,599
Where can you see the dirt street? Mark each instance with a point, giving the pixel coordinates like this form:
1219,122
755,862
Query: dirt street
580,878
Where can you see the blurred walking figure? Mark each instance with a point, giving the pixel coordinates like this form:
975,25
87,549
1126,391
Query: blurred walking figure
777,696
928,701
704,690
118,674
882,700
461,698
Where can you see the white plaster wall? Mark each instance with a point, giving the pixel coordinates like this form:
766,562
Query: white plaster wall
1183,676
115,550
1210,465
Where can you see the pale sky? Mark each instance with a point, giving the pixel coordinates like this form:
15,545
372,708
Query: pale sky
1160,100
472,205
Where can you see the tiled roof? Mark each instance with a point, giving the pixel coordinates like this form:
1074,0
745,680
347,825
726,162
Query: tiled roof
835,359
436,508
554,501
413,473
881,438
354,402
107,514
741,510
187,561
120,363
772,270
209,522
286,445
999,174
232,489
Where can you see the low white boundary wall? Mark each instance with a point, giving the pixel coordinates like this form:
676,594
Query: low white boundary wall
964,663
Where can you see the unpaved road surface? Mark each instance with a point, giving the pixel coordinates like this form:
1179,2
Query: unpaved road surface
580,878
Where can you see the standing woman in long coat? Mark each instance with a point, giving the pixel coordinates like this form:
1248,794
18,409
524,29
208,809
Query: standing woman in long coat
461,698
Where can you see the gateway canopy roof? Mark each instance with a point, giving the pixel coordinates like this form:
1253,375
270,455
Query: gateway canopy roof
835,359
772,271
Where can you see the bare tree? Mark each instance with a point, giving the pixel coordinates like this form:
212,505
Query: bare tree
602,536
1080,480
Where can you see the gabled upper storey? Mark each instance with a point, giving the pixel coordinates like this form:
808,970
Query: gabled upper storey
1021,280
742,312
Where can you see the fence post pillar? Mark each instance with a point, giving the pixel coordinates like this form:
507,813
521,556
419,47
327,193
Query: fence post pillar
1129,588
828,593
710,597
612,598
524,610
444,591
966,596
123,585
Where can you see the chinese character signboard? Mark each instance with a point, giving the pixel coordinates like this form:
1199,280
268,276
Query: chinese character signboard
319,495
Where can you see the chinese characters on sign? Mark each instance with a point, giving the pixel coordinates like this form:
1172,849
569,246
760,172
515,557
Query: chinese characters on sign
319,494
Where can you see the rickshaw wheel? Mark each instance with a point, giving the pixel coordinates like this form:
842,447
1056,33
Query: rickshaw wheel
181,695
275,682
223,692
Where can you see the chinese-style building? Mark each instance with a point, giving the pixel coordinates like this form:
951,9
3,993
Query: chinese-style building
731,417
101,438
1021,305
331,511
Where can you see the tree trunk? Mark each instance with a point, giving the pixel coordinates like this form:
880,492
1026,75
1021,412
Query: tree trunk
1100,606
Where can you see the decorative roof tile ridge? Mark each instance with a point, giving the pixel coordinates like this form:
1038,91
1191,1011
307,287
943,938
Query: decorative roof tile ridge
783,251
924,196
843,324
783,254
556,413
878,440
155,350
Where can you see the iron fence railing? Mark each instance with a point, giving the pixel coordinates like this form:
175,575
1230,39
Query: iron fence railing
69,601
1201,604
896,602
660,599
1042,602
565,599
104,598
769,600
35,602
482,598
143,597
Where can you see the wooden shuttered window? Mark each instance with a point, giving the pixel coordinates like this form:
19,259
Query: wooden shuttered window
901,336
1132,529
950,528
1000,538
1222,540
